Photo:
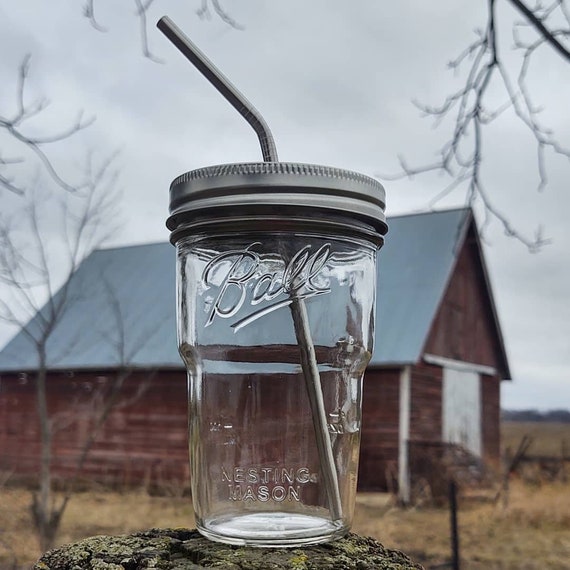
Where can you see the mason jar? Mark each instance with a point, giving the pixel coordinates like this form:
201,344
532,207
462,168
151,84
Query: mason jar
276,286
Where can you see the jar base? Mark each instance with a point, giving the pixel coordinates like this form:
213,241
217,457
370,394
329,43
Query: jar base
276,529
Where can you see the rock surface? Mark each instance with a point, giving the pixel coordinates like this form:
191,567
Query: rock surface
182,549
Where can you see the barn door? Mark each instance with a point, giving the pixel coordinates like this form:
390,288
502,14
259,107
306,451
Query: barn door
462,409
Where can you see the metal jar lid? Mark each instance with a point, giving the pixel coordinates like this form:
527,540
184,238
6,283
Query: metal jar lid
245,187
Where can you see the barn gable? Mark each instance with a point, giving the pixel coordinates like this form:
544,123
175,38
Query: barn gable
465,327
416,266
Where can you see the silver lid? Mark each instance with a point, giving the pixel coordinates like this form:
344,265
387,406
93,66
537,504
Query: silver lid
246,186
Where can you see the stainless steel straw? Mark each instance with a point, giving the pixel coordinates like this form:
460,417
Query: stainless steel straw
298,308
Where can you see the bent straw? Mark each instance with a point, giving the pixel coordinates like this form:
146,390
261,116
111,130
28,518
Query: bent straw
223,85
298,308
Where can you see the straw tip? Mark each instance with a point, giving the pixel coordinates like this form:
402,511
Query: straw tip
165,21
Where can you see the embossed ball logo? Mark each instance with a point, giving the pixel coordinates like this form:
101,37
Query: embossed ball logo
241,278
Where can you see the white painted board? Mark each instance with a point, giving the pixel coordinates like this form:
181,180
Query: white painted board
462,409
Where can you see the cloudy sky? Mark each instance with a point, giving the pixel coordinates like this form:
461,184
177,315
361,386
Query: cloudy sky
335,82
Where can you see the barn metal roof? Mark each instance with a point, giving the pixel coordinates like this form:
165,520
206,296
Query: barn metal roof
128,289
132,289
414,267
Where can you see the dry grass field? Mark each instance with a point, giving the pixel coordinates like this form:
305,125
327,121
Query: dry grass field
532,533
547,438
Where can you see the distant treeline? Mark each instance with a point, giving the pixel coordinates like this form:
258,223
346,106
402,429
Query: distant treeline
535,416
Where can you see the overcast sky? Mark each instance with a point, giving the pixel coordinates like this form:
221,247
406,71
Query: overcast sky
335,83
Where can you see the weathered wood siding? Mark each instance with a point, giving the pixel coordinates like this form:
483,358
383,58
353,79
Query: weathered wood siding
426,402
144,438
380,430
491,419
464,328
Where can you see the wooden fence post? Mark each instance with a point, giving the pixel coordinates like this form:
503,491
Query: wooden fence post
453,525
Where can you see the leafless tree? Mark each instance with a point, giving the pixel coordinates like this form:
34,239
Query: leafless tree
44,236
50,237
110,397
95,406
541,27
20,147
32,263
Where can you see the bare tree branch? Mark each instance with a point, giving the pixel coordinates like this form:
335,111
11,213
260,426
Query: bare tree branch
204,13
27,265
99,402
12,125
142,8
8,183
25,261
538,23
89,13
98,408
461,157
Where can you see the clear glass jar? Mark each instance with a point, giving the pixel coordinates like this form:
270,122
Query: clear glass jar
275,326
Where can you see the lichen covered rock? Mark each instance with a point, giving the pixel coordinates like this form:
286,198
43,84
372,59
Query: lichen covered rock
182,549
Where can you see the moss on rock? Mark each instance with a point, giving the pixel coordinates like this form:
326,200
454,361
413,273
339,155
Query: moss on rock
182,549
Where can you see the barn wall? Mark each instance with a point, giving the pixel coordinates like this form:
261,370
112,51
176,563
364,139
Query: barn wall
380,430
491,418
143,439
425,424
425,404
145,436
464,328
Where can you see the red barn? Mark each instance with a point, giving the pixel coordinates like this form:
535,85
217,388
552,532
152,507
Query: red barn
434,377
439,357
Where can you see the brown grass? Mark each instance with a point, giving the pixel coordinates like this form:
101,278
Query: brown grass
533,533
547,437
88,514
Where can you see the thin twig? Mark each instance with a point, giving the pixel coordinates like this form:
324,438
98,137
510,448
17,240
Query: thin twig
142,9
539,25
12,125
204,13
89,13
